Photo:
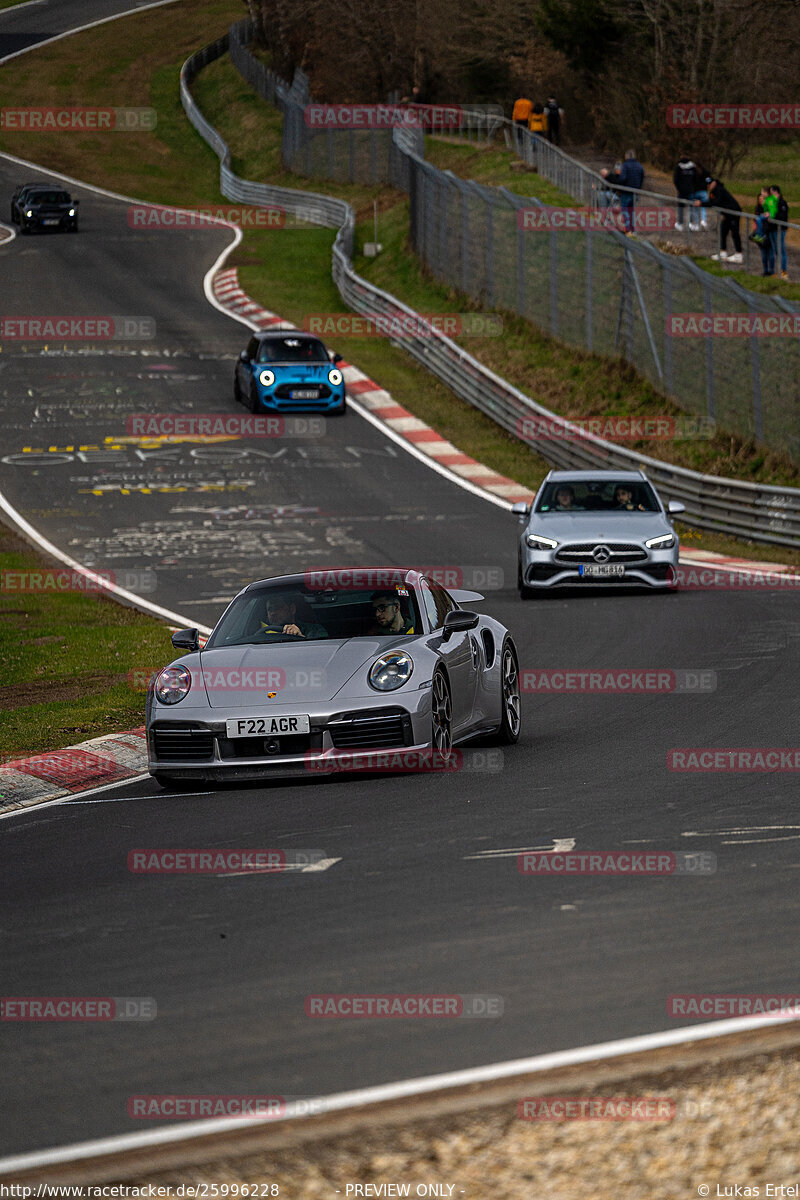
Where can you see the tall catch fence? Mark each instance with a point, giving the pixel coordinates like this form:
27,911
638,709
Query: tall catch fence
771,514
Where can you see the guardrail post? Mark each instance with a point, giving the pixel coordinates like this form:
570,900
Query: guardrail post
755,367
553,282
711,407
668,369
589,252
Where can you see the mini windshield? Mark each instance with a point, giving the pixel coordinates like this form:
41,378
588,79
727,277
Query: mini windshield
598,495
292,349
281,613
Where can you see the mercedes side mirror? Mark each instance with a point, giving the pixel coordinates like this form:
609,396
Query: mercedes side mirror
458,621
675,506
186,639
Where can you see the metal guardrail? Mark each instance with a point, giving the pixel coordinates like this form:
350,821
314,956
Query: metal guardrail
767,513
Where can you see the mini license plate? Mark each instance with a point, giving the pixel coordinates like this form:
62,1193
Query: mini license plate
52,221
264,726
305,394
601,570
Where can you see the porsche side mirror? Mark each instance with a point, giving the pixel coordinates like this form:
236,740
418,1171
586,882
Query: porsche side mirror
186,639
458,621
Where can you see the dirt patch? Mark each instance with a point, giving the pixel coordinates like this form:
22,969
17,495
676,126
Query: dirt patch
52,691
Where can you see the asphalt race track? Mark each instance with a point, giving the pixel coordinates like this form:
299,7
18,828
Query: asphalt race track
415,903
24,26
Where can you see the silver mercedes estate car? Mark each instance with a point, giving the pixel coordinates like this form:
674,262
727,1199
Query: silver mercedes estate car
596,528
331,669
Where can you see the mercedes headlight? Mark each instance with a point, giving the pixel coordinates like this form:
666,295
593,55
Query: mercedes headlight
390,671
665,542
537,542
335,376
173,685
267,378
29,212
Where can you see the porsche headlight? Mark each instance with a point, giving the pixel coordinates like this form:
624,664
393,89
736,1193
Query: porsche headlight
665,542
537,542
335,376
390,671
173,685
267,378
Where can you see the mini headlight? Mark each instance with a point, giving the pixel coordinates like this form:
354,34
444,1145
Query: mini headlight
173,684
267,378
335,377
665,542
537,542
390,671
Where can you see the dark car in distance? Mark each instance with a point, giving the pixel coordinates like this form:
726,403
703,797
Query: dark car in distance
43,206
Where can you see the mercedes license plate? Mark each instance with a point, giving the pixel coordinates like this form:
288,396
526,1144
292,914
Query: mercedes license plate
305,394
601,570
237,727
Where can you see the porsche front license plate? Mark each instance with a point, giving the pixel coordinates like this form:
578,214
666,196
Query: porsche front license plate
305,393
52,221
602,570
258,726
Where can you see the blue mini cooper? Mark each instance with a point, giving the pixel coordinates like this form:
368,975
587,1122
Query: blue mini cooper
289,371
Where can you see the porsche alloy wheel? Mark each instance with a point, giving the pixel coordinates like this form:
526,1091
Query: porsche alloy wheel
442,714
512,708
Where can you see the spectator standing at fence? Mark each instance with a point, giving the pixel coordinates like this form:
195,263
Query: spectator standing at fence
631,175
689,180
781,214
607,196
521,112
718,196
555,116
764,231
537,121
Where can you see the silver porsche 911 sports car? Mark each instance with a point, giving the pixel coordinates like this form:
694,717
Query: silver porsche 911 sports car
305,670
596,528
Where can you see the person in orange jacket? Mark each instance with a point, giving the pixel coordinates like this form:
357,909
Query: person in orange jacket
537,121
521,112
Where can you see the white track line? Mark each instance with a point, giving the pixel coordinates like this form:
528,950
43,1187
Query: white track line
407,1088
79,28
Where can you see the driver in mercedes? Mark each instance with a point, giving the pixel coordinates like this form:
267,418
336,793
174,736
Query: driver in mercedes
286,613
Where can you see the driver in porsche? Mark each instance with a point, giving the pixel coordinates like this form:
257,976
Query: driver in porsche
286,613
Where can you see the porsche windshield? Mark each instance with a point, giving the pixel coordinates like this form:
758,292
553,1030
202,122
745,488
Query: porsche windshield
281,613
291,350
601,495
47,198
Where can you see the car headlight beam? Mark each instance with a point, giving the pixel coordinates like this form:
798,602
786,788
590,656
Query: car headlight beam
537,542
266,378
335,377
665,541
173,684
390,671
